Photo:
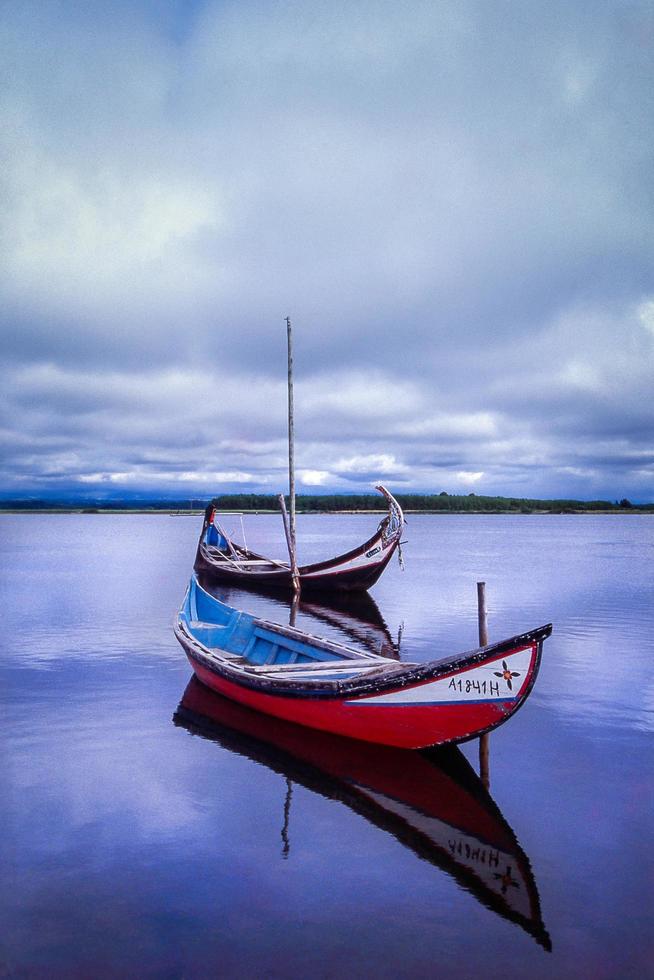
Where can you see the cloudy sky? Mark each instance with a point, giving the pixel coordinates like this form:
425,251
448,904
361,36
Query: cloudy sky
452,200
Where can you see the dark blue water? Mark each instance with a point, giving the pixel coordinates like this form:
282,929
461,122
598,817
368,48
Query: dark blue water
148,831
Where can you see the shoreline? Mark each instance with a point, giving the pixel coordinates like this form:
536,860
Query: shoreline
162,512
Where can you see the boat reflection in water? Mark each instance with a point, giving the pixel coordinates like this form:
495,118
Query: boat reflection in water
351,617
432,801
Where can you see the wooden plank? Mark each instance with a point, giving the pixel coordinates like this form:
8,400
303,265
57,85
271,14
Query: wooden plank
319,665
295,635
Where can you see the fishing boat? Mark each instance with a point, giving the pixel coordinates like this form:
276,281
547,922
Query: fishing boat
432,803
223,560
285,672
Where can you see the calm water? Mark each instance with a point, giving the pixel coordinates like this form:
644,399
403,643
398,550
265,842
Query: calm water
147,829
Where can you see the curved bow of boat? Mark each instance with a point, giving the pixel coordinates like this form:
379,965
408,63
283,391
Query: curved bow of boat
394,523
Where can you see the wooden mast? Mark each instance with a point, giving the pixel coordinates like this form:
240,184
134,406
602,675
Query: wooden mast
291,462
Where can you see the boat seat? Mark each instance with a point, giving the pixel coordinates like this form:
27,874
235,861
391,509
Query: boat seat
256,561
233,658
246,561
317,667
292,647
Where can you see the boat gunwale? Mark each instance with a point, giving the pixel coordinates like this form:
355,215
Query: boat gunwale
395,675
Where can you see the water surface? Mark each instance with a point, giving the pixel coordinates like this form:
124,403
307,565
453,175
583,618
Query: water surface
150,830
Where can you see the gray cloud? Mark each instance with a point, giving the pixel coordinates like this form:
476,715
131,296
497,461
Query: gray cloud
453,201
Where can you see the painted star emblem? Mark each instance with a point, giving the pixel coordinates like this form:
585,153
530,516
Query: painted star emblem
506,879
507,674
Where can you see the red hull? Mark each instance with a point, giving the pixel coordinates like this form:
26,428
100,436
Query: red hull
407,726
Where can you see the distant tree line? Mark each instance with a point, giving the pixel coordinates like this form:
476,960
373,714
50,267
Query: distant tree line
334,502
441,502
95,506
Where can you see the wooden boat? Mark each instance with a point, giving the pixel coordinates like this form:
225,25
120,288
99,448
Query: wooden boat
290,674
431,802
223,560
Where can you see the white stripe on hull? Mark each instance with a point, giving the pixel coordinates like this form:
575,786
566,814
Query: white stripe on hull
480,683
368,559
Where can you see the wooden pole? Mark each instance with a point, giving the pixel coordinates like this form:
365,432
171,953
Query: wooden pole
291,460
294,573
287,530
484,740
481,614
293,611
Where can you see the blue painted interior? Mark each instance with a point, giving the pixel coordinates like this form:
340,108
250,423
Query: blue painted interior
218,626
215,538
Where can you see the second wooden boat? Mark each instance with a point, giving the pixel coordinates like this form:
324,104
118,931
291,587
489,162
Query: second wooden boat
223,560
290,674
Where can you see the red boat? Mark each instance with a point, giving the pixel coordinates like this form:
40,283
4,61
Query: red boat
290,674
433,803
222,560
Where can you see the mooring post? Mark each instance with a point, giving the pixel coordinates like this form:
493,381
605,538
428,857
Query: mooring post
481,614
484,740
291,460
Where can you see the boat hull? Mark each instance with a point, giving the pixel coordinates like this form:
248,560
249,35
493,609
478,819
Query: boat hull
439,708
353,575
356,570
